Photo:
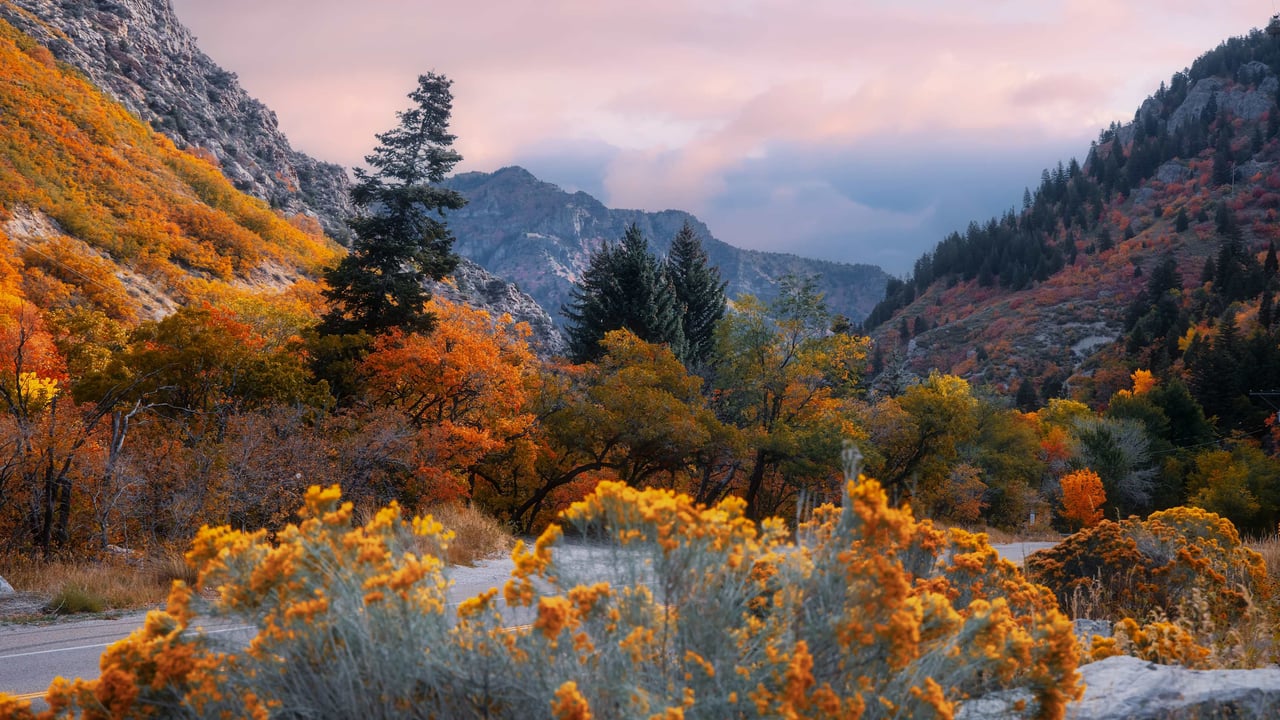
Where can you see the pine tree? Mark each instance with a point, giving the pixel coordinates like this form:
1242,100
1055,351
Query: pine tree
700,291
624,286
1181,222
401,239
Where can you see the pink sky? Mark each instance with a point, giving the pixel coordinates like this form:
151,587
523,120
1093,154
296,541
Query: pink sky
764,117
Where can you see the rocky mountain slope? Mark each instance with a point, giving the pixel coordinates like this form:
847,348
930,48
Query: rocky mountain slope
540,237
104,215
139,53
1159,233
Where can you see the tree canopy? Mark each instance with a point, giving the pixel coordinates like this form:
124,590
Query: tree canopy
401,239
625,286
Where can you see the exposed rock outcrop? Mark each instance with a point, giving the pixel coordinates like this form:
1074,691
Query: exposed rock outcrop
1126,688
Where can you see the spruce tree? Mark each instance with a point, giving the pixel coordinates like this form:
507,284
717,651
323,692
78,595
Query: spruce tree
624,286
700,292
401,239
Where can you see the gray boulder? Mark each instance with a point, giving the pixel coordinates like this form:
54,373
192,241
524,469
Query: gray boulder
5,587
1126,688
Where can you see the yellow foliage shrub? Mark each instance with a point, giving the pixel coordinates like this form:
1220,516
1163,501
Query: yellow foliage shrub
681,611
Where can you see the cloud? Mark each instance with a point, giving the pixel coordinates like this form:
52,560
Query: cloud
674,103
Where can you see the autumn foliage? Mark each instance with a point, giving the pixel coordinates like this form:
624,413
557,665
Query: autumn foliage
1082,498
125,192
686,611
1183,563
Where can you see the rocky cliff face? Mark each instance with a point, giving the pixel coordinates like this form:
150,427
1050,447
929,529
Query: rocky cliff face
475,286
139,53
541,237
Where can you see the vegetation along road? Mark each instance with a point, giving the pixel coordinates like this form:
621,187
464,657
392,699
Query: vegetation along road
31,656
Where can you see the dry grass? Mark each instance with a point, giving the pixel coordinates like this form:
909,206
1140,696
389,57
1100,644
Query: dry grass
90,585
476,535
1269,548
129,583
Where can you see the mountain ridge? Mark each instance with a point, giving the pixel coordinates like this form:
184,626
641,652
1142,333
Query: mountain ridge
514,222
140,54
1052,295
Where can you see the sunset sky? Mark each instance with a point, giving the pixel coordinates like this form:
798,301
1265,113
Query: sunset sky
855,130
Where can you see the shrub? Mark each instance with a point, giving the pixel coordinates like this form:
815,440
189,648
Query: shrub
1156,564
1161,642
1181,568
73,599
476,536
686,611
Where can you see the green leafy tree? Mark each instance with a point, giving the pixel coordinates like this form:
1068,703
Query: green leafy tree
700,291
401,239
785,381
916,439
625,286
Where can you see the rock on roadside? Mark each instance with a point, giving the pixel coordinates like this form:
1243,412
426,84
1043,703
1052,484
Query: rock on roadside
1126,688
5,587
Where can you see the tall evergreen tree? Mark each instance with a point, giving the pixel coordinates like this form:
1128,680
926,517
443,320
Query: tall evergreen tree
624,286
700,292
401,239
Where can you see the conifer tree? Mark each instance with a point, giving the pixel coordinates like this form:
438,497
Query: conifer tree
401,239
700,291
624,286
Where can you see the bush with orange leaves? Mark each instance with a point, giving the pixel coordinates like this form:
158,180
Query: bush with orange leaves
1180,568
684,611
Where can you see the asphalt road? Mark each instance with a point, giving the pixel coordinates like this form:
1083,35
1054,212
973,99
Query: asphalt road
31,656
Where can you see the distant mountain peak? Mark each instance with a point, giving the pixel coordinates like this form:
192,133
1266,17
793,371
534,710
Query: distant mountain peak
1060,292
541,236
139,52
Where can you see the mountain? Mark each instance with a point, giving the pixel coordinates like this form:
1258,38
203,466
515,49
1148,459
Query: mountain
139,53
1139,257
104,215
541,237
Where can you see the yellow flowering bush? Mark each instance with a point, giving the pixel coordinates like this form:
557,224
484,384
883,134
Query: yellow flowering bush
665,609
1140,566
1180,586
1161,642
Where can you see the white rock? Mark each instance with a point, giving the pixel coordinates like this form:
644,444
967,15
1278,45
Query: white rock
1131,689
5,587
1126,688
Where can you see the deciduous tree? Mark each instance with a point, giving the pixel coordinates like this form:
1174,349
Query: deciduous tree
1082,498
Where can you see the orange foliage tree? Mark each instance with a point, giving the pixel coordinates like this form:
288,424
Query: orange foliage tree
465,387
636,414
1082,498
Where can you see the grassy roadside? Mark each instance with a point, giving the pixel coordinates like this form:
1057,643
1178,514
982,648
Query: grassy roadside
48,589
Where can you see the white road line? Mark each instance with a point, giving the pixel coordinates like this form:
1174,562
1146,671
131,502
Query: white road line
102,645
